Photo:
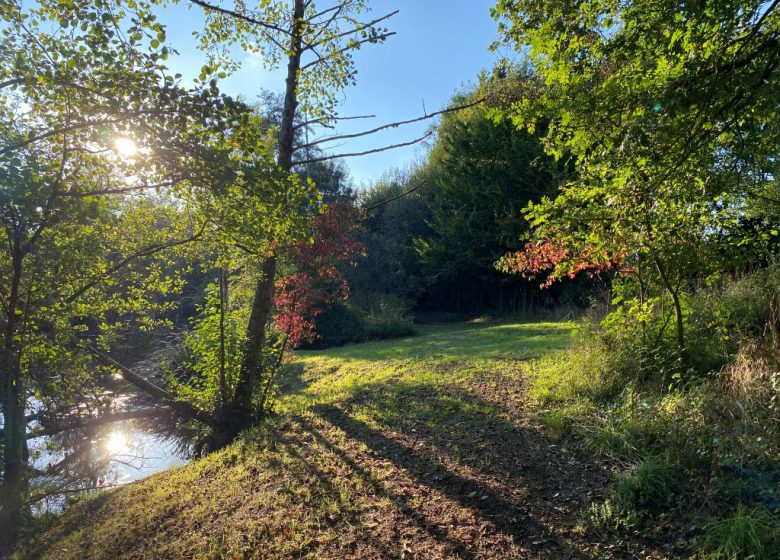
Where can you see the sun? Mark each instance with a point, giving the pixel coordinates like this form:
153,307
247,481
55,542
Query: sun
116,443
125,146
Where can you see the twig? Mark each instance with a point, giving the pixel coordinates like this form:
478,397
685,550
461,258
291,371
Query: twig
390,125
366,152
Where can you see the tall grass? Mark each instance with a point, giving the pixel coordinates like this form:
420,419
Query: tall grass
701,457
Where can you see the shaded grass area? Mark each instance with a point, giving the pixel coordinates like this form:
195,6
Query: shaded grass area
415,448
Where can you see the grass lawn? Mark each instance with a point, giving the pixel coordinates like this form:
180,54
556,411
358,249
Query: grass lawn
411,448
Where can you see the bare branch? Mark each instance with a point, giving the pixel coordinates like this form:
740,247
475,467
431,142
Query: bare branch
328,119
367,152
352,46
337,8
388,126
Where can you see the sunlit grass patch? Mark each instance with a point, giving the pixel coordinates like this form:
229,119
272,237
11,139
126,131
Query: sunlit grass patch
439,353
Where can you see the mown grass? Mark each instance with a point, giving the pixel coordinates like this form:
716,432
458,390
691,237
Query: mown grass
430,447
439,353
411,448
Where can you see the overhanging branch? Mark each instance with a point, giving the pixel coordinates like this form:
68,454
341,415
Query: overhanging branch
150,388
146,252
389,125
366,152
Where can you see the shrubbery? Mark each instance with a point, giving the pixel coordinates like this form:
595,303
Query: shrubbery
362,318
697,449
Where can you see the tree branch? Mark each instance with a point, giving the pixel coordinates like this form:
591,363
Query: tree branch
151,250
327,119
388,126
11,82
367,152
357,29
115,118
150,388
120,190
352,46
765,15
238,15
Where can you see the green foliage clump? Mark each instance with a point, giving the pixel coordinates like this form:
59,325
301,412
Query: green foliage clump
684,450
577,372
365,317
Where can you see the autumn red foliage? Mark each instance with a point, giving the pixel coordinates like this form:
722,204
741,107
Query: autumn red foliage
554,260
317,281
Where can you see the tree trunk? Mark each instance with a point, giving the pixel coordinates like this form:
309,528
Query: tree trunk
14,424
262,304
678,313
252,363
679,324
223,302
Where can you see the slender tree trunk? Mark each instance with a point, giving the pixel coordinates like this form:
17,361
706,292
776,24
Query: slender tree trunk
252,363
679,324
14,424
262,305
678,312
223,301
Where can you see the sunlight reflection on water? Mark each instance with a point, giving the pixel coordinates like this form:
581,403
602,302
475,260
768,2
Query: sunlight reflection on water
111,456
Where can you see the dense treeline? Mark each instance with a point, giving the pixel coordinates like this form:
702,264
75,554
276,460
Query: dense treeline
432,235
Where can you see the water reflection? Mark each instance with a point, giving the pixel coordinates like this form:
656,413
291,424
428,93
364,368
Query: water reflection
116,442
79,461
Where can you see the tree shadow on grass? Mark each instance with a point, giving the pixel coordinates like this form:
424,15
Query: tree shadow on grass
515,499
509,474
484,435
292,379
385,549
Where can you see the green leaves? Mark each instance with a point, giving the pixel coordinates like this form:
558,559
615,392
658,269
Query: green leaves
671,116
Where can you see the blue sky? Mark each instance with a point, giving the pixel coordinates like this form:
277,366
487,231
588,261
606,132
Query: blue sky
440,47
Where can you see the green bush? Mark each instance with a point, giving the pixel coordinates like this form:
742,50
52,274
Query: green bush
365,317
684,449
754,302
654,484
